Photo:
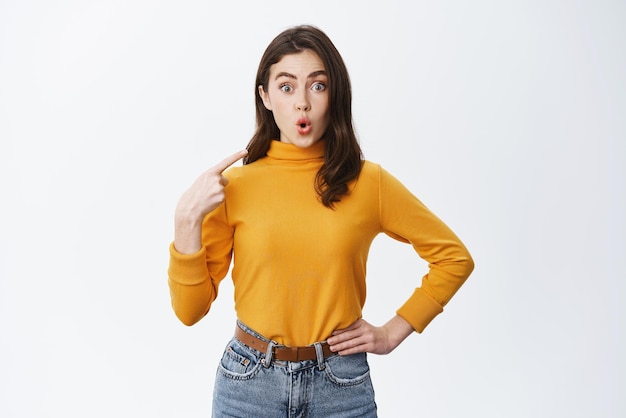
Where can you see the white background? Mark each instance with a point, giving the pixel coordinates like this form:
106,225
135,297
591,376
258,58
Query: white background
507,118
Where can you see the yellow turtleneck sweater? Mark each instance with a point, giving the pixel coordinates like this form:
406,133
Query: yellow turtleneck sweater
299,267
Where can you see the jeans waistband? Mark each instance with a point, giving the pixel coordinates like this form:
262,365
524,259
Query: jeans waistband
317,351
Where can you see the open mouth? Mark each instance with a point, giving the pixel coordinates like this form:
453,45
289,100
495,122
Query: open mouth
304,126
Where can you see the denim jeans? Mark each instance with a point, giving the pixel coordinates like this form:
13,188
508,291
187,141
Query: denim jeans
250,384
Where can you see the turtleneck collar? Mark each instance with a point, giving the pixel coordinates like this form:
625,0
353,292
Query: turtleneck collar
284,151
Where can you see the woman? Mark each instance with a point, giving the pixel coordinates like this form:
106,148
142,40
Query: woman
299,217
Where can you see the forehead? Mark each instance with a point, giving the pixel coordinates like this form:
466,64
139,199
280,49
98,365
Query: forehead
301,63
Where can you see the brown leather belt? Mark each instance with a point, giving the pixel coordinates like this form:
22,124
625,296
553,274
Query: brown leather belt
282,352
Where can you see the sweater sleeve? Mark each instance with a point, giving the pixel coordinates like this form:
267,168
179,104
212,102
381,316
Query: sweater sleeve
406,218
194,278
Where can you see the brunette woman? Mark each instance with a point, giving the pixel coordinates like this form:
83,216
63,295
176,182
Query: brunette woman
299,217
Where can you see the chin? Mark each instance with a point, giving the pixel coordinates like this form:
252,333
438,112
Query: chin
304,142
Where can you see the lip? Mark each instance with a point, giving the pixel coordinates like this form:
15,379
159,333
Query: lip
303,125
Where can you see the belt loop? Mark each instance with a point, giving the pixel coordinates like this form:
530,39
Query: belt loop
269,354
319,352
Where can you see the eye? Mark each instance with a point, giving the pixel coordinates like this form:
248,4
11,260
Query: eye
319,86
286,88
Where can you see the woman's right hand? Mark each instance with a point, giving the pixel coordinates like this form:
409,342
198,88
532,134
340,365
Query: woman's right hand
204,195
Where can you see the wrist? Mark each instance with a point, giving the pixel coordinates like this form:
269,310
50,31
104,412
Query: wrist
187,233
398,330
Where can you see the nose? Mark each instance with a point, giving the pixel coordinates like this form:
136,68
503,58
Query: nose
302,102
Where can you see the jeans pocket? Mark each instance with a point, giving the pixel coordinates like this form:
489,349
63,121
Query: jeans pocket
238,362
348,370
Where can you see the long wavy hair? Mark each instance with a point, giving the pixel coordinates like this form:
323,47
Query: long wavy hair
342,153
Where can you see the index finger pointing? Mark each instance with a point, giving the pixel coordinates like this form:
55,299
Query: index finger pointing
228,161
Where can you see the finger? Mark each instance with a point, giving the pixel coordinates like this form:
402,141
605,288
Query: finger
350,346
362,348
230,160
348,336
341,342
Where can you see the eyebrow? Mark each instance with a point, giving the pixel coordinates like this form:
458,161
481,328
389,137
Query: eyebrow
289,75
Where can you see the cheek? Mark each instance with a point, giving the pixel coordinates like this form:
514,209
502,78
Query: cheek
325,110
279,103
326,104
281,117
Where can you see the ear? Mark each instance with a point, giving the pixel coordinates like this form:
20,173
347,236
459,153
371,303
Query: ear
266,98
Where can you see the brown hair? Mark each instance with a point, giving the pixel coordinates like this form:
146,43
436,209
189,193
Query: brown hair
342,153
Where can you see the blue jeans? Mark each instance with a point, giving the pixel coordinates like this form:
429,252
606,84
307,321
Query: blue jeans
249,384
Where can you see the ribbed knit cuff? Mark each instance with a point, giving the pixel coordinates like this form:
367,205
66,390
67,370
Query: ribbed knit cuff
419,310
187,269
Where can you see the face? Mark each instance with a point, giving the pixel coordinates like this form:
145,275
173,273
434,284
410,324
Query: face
297,96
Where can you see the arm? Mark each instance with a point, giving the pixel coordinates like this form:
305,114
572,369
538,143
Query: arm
193,286
204,196
404,217
407,219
